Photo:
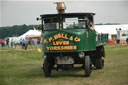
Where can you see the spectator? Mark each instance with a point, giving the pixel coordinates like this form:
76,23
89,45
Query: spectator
15,44
20,41
7,41
12,43
23,44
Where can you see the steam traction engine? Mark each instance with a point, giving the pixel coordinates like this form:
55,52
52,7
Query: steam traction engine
69,39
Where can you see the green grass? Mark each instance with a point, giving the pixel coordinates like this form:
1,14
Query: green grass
23,67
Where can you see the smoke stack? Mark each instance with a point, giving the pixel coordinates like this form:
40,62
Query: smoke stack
60,7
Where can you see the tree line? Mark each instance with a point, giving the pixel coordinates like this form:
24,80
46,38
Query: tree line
16,30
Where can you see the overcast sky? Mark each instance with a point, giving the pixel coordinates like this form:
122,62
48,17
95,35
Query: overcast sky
14,12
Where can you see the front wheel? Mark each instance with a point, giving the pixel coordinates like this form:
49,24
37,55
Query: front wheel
87,66
46,68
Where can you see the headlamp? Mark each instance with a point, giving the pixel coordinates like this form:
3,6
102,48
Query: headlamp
81,54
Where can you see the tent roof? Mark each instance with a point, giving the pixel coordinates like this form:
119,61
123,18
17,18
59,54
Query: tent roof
110,29
31,33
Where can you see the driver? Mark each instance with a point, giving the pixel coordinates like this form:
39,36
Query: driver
90,24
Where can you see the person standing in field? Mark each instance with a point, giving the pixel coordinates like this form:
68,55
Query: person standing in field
7,42
12,43
23,44
20,41
15,44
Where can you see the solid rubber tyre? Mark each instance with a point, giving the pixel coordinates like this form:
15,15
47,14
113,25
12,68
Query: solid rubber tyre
46,68
87,66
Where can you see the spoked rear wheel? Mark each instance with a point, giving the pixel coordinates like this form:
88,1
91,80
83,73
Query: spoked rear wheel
87,66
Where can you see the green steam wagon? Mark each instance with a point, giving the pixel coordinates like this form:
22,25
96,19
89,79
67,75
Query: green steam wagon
69,39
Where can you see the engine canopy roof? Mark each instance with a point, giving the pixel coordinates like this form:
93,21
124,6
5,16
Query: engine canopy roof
67,15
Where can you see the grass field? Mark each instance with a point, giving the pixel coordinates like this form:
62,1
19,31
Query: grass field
23,67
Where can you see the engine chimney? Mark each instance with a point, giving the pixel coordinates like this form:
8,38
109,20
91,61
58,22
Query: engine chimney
60,7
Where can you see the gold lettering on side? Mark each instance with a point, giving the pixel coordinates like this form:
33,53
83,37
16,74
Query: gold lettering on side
47,48
54,43
51,48
65,37
50,39
55,37
71,38
60,43
58,47
55,48
74,47
62,36
59,35
61,48
65,42
76,39
45,41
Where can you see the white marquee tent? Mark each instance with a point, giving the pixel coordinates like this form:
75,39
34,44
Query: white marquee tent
110,29
30,33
